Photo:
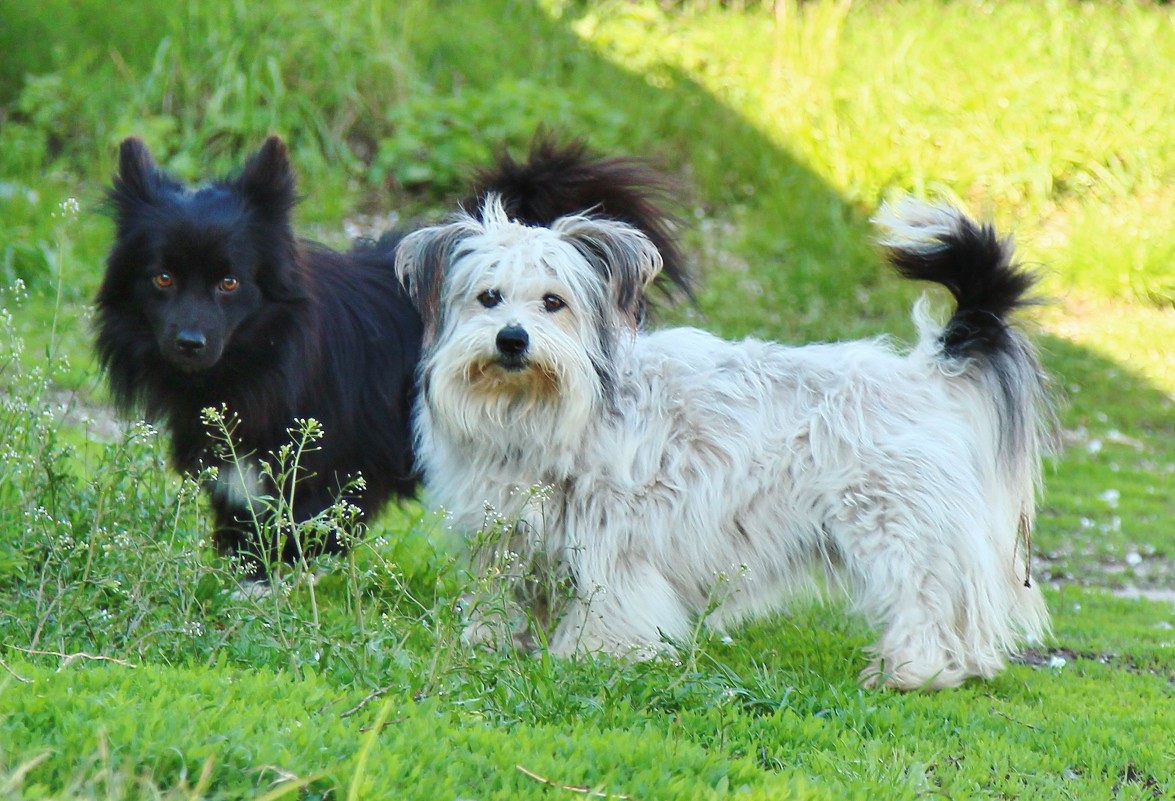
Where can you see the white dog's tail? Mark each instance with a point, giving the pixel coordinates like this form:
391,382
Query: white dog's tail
941,244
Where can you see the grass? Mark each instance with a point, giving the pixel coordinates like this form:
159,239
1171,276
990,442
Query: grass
130,666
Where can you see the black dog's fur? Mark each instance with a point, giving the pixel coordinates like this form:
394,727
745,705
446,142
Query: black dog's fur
305,333
249,317
561,178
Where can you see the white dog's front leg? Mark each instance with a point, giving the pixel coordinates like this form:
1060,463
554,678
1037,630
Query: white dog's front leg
491,622
631,610
493,609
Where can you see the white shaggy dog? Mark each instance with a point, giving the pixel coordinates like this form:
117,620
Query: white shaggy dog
688,476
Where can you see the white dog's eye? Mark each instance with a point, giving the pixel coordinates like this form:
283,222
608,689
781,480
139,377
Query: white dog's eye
489,298
553,303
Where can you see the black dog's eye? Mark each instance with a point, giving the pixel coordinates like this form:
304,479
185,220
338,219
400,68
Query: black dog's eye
553,303
489,298
229,284
163,280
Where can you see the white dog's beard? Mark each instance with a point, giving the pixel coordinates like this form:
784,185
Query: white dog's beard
525,383
534,407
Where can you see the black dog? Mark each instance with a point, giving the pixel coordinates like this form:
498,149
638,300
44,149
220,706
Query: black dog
209,300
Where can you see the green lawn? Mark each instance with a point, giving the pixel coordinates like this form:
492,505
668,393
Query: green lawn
130,665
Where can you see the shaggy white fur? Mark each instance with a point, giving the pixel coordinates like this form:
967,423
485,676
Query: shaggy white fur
684,475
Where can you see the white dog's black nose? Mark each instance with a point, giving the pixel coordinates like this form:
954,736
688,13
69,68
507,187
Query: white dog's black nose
513,341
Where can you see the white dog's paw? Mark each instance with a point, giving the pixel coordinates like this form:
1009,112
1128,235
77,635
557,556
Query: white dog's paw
575,637
909,675
484,632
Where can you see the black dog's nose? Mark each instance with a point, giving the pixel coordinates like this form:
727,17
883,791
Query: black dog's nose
190,341
513,341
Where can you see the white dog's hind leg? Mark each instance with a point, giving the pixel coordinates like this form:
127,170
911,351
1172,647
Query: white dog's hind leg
633,611
904,578
916,651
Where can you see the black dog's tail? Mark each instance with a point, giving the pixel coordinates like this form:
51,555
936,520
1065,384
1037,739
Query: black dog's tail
941,244
558,179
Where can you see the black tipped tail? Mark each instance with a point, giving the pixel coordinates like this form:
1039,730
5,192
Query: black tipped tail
943,245
561,178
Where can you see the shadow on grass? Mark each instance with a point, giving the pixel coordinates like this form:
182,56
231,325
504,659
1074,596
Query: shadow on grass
1107,511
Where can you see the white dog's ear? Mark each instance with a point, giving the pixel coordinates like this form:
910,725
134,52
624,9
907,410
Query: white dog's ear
422,259
623,255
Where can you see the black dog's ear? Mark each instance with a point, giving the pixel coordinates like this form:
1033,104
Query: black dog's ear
268,179
138,178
